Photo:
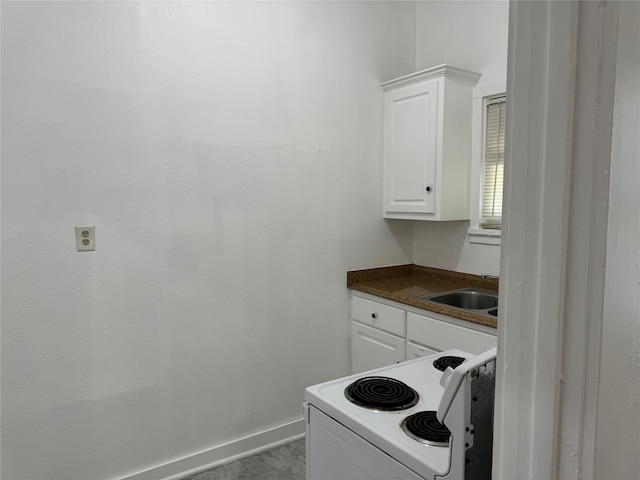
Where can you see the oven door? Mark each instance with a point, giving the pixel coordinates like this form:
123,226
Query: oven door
335,452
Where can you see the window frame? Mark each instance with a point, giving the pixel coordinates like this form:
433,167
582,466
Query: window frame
484,221
481,94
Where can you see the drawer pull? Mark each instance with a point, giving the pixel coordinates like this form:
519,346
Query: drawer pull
373,315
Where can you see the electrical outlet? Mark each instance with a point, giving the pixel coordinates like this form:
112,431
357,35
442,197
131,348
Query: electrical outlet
85,238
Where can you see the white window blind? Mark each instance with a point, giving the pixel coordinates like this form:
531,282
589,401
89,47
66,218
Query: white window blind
493,163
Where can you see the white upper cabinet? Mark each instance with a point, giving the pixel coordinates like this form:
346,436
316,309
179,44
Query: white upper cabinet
427,144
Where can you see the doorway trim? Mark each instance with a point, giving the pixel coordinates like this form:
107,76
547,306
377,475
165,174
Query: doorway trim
560,91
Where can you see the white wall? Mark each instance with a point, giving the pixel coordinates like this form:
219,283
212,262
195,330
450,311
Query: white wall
471,35
618,427
229,155
446,245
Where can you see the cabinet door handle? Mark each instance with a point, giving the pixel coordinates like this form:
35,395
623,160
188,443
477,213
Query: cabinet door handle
428,189
373,315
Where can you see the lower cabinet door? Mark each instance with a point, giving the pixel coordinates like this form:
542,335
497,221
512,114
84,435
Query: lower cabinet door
416,351
372,348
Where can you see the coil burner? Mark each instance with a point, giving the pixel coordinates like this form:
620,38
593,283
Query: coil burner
425,428
447,361
381,393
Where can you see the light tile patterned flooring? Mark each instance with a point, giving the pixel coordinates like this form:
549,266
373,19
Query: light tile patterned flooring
285,462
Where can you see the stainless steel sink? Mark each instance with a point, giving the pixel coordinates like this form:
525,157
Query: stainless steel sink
475,300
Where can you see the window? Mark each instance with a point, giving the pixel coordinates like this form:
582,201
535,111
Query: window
487,147
493,155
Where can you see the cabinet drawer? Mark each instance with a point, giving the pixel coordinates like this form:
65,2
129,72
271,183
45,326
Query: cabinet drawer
443,336
380,316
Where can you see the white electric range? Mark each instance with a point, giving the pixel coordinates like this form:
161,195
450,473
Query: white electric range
429,418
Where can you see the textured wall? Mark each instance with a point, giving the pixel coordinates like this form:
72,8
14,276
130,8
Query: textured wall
471,35
229,155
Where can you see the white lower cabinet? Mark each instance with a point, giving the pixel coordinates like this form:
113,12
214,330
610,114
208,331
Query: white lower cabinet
383,334
372,348
439,335
378,335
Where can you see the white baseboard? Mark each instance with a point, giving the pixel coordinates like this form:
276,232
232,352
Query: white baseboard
223,454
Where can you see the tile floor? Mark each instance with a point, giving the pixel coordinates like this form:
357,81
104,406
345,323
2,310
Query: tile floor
285,462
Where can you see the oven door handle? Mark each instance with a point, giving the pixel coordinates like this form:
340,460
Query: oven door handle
452,381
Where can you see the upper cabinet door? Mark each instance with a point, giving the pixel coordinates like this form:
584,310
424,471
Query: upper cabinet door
427,144
411,134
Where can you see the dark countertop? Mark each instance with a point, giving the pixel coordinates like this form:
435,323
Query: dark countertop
403,283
